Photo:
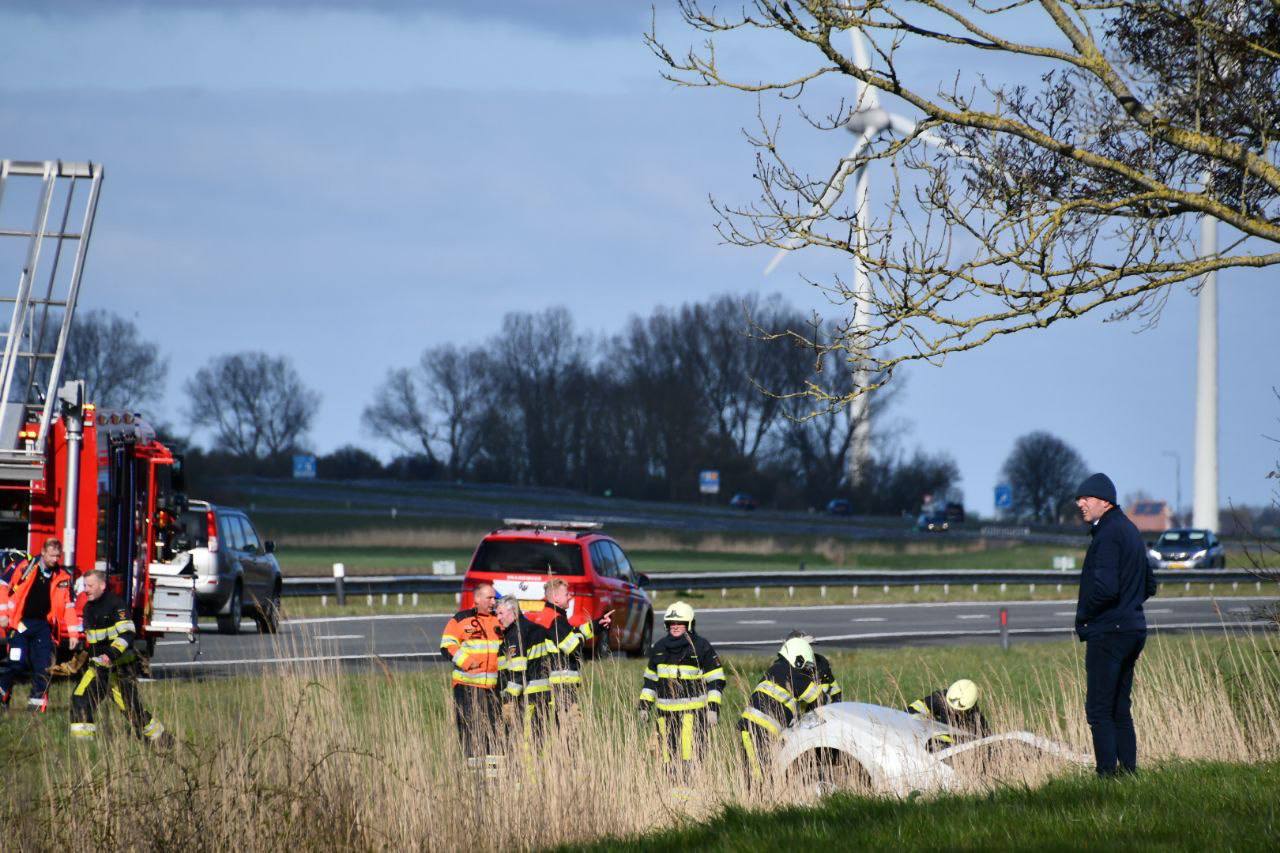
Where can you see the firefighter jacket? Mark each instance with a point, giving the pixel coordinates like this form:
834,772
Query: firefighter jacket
565,643
935,707
62,600
471,640
781,696
522,660
108,630
831,690
684,674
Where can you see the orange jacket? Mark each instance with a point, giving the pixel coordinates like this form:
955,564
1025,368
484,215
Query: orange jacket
472,641
63,616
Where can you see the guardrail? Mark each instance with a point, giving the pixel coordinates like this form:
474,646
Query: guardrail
392,584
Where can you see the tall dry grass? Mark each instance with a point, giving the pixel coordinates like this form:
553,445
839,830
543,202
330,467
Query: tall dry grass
314,756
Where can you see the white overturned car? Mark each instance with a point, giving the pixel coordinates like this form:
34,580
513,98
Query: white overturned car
886,750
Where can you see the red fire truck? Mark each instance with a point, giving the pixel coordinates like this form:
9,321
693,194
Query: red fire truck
99,480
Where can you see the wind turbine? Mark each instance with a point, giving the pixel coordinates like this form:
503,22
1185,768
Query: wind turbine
868,121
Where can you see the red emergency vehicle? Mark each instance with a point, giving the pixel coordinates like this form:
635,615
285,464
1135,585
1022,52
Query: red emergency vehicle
522,555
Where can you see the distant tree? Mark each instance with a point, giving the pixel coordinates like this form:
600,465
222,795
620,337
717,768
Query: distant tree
256,405
896,484
120,369
437,404
349,463
1043,471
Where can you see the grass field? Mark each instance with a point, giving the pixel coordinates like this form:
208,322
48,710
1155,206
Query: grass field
314,756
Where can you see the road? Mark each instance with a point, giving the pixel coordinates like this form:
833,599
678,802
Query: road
414,639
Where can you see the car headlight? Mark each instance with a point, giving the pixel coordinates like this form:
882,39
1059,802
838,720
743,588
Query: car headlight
1153,554
1199,555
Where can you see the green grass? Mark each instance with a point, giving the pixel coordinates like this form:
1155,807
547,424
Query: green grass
1184,806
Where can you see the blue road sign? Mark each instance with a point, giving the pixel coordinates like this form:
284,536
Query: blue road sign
1004,496
304,466
709,482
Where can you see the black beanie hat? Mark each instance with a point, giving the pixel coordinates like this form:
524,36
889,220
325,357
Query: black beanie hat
1098,486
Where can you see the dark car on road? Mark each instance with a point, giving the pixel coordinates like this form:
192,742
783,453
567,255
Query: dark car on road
1187,548
839,506
934,521
742,500
237,573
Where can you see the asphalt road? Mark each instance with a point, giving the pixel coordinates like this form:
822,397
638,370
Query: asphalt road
414,639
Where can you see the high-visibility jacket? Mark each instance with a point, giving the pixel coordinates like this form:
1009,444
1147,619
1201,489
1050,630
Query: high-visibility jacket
684,674
780,697
109,630
62,615
565,642
522,660
472,641
831,689
935,707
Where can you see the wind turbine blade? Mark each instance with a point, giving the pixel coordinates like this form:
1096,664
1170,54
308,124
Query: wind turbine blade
907,127
829,197
868,98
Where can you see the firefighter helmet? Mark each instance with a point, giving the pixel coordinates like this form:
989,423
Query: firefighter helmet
679,612
962,695
798,653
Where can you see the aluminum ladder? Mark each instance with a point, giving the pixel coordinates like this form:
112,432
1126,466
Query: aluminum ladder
51,262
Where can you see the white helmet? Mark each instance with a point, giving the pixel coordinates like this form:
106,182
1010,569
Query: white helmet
962,695
798,653
679,612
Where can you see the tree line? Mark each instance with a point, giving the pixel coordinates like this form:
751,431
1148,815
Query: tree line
637,413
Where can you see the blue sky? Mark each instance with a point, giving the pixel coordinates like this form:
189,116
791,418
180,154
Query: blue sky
349,183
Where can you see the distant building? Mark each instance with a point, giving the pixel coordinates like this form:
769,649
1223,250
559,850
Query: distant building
1151,516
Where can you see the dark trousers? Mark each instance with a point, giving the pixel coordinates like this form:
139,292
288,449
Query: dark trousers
1109,660
477,711
31,651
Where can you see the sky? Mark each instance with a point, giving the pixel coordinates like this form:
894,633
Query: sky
348,183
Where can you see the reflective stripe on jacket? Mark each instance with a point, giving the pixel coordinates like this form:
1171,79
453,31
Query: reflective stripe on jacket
565,641
108,629
473,642
522,661
781,696
683,675
62,599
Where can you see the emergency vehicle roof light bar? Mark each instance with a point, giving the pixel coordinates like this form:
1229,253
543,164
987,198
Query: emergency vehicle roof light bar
542,524
44,304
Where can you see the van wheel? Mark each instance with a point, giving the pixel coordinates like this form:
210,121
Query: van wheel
230,623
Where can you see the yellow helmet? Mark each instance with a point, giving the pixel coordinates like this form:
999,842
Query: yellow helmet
962,695
798,653
679,612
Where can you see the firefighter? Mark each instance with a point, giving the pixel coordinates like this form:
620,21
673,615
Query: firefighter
567,638
471,641
957,707
10,559
37,611
114,666
831,689
789,687
684,680
522,670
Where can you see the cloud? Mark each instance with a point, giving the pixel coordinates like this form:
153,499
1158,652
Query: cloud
583,18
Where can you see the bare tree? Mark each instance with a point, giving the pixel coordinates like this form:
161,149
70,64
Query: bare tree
1044,472
255,404
440,402
1074,194
119,368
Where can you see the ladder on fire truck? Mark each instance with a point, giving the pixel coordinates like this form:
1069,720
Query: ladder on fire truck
50,252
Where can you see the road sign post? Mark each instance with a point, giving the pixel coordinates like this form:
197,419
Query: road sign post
304,466
1004,496
709,482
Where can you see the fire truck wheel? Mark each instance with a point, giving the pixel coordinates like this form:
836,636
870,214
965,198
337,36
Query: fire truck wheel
230,623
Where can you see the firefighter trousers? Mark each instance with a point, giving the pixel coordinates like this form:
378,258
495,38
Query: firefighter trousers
121,682
757,751
683,735
477,712
30,650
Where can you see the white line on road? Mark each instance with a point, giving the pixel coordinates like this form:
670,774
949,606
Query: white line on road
1158,609
870,619
987,632
934,604
339,637
1064,613
757,622
974,616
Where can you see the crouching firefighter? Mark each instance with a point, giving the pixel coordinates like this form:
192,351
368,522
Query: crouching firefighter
37,611
114,666
957,707
522,671
471,641
831,689
789,687
683,683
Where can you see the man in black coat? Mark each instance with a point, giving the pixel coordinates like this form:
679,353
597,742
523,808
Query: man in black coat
1115,581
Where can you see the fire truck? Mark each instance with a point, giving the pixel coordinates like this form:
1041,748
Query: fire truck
99,480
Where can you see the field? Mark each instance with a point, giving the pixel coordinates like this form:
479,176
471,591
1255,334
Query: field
315,756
